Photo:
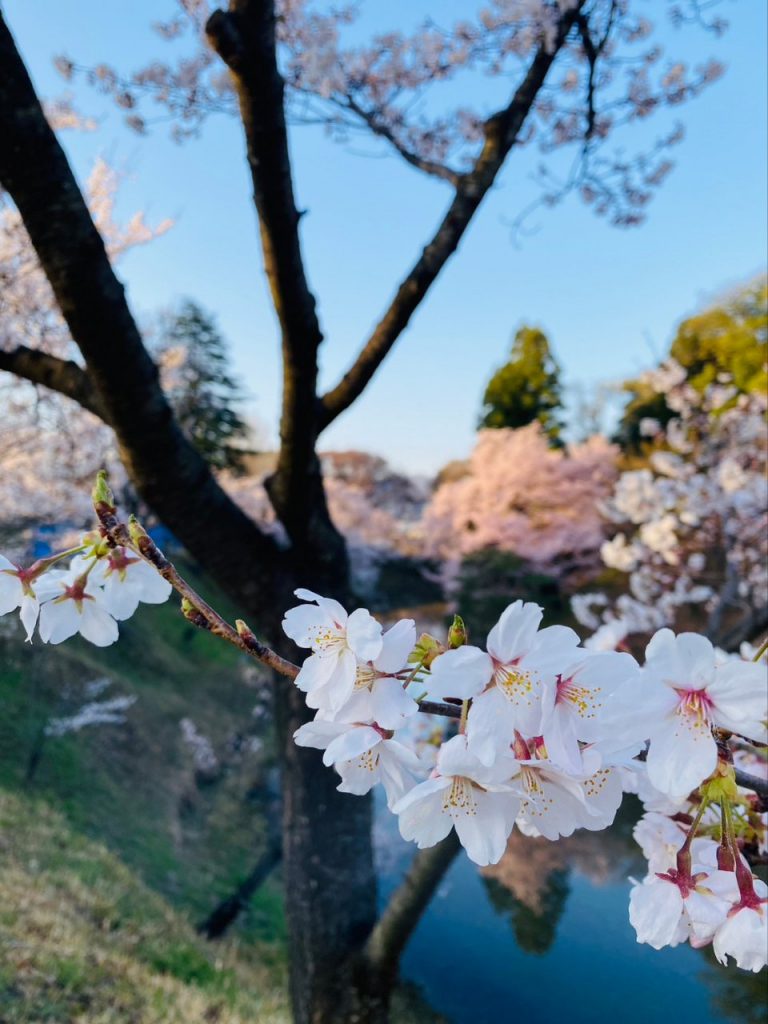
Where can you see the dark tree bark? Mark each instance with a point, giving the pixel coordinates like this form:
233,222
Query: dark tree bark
244,38
62,375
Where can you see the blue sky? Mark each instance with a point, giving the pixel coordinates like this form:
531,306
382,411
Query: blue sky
609,299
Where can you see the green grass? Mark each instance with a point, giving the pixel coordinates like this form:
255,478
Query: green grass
135,786
82,939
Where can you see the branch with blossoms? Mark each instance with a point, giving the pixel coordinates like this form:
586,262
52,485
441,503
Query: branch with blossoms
550,734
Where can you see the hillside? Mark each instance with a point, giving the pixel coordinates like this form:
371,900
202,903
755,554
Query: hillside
82,939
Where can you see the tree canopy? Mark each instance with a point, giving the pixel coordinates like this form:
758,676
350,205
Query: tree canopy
526,389
201,391
729,338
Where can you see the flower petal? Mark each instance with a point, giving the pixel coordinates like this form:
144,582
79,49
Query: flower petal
515,632
462,673
364,634
390,704
397,644
351,744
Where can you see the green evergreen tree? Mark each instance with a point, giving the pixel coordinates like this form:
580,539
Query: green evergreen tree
526,388
204,396
729,338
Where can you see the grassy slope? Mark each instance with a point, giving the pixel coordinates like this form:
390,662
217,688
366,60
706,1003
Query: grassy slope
81,939
134,786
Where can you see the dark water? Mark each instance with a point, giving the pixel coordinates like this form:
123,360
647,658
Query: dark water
482,955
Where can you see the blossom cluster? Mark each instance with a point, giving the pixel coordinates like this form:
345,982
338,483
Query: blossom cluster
691,528
548,738
101,586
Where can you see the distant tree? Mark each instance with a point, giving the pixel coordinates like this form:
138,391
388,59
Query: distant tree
527,388
519,495
728,339
201,391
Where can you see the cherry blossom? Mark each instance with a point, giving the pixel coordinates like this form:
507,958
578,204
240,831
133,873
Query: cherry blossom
691,527
556,802
338,642
479,802
518,494
575,703
24,589
127,581
390,704
683,694
78,607
362,752
744,933
669,908
521,661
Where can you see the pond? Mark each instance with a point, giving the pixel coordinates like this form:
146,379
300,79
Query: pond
545,936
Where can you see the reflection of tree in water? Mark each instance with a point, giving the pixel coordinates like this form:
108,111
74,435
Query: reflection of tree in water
530,882
535,929
738,996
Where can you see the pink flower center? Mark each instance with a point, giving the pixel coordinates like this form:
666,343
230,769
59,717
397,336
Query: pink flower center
119,560
581,698
684,880
696,703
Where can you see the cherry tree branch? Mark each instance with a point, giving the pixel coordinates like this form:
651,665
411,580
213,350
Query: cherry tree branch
378,127
501,132
201,614
62,375
195,608
753,782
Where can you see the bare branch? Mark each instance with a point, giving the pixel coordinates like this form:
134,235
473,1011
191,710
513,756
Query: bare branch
378,127
406,905
501,133
62,375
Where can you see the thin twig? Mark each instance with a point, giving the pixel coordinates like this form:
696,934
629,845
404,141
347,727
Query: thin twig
194,607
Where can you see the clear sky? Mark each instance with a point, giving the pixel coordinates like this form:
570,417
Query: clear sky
609,299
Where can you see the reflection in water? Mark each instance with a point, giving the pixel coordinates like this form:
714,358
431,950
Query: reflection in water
545,934
740,996
535,926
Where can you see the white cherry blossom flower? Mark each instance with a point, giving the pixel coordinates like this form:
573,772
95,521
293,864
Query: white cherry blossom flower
77,607
574,705
362,752
666,909
24,589
522,660
338,642
556,803
660,838
390,704
744,933
128,580
479,802
683,692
